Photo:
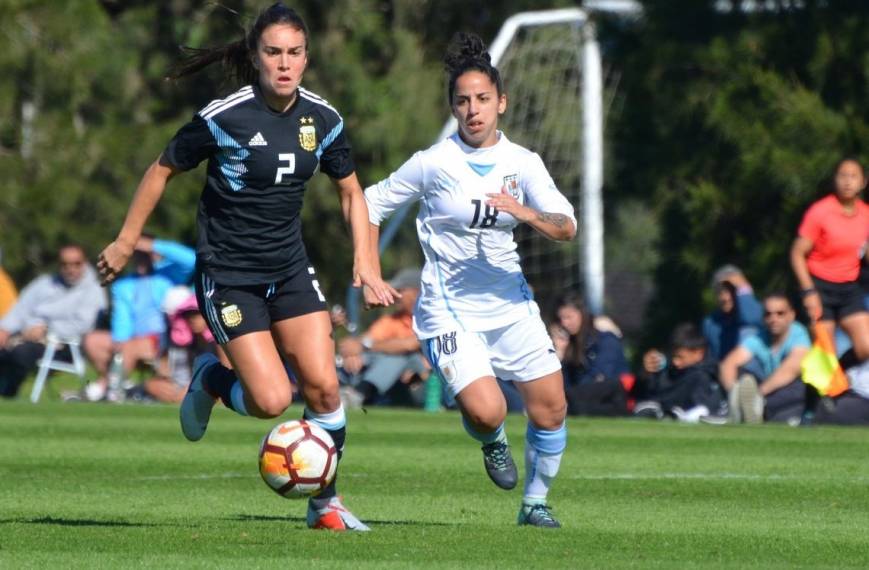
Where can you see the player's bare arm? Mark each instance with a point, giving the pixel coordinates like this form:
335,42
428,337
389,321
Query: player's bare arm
554,226
115,256
366,268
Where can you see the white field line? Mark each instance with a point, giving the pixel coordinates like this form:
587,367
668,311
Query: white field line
709,477
576,477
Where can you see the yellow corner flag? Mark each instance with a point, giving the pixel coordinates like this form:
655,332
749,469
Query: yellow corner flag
821,368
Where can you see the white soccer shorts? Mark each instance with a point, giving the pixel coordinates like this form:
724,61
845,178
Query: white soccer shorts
519,352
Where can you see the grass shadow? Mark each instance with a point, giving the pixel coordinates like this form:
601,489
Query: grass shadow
75,522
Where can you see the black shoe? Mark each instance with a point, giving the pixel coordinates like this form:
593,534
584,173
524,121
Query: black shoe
537,515
499,465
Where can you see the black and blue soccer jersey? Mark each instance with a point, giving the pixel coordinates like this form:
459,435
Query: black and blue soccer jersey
259,160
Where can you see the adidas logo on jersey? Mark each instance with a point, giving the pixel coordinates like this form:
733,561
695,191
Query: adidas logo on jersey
258,140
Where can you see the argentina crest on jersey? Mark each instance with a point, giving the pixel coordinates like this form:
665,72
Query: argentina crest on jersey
307,134
511,183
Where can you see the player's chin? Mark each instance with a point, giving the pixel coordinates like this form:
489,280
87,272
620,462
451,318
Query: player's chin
284,88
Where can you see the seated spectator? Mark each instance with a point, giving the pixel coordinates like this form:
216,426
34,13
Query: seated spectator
64,304
138,325
852,407
688,388
387,355
189,337
592,361
8,292
762,374
738,316
172,260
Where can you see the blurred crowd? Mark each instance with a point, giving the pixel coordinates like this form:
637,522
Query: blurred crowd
745,362
142,339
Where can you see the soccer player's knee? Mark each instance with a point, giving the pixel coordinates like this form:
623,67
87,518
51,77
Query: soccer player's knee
273,404
486,420
549,416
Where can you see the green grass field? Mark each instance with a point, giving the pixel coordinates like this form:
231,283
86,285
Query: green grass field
92,485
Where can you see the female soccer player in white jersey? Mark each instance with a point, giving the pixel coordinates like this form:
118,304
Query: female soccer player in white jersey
257,289
476,317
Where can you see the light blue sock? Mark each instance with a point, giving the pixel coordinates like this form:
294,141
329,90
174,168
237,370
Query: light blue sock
543,452
236,394
485,438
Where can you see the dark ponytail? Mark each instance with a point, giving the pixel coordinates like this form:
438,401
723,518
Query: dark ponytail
467,52
237,57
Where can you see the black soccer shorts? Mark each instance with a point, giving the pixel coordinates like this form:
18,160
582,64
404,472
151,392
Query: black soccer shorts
234,310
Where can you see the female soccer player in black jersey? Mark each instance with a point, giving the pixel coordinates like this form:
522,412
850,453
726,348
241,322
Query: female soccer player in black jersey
254,283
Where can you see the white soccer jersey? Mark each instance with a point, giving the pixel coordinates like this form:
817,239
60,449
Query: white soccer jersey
472,280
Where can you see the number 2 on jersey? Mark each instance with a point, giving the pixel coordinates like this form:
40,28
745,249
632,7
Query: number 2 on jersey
290,168
490,215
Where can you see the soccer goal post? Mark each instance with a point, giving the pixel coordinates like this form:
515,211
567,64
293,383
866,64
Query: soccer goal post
550,63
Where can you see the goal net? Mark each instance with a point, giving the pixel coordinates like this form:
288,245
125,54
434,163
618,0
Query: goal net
542,72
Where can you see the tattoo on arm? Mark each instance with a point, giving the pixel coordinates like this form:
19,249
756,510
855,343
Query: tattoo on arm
557,220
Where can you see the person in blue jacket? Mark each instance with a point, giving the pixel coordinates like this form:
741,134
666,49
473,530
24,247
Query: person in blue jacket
593,362
739,314
171,259
138,323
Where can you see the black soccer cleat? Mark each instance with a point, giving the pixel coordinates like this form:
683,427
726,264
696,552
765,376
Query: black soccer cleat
499,465
539,515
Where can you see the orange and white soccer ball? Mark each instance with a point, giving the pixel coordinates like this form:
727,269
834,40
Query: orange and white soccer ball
298,459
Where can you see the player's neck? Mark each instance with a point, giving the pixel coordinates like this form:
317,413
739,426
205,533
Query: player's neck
279,104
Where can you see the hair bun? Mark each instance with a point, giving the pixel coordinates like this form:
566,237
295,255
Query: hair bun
464,47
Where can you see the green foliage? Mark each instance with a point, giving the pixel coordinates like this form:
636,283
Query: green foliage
725,123
731,123
94,73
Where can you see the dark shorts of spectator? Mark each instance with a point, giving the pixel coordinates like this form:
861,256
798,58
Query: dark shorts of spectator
840,300
786,403
848,409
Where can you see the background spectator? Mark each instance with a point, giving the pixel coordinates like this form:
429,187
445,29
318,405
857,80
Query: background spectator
767,366
593,361
65,304
188,337
852,407
170,259
8,292
159,264
686,388
738,315
138,323
388,353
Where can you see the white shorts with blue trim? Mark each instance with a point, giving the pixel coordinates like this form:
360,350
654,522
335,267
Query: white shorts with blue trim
519,352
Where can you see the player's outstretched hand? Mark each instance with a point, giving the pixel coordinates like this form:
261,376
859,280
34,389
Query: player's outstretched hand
112,261
375,291
504,202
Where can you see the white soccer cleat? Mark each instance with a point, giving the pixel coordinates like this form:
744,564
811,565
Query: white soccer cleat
197,403
333,516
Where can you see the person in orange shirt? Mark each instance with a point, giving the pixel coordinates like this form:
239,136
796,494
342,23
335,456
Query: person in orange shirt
8,293
388,352
826,256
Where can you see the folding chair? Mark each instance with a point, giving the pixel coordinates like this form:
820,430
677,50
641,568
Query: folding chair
53,345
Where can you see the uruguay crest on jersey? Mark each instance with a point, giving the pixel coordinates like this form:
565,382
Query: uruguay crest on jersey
511,183
307,134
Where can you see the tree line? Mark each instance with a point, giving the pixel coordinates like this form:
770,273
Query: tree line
722,127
